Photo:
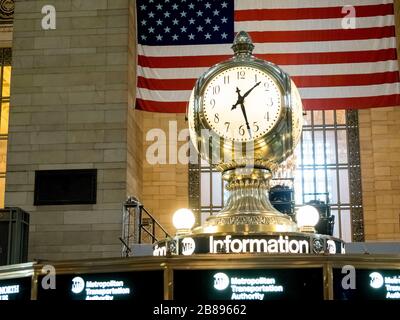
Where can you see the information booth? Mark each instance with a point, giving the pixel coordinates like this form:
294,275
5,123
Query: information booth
207,277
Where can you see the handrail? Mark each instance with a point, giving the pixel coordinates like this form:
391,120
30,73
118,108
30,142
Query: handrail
153,237
156,222
135,219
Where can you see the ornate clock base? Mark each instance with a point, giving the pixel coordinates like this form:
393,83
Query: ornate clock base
248,209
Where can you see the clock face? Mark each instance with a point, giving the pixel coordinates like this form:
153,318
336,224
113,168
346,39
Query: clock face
242,103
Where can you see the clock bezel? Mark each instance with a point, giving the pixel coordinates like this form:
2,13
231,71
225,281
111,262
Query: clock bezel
260,144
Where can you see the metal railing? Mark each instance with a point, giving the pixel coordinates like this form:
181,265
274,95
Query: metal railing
137,221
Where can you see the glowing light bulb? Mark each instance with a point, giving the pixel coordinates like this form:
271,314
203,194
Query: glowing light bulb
307,218
183,220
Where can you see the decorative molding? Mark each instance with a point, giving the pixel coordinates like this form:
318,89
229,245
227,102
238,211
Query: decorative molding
356,208
247,219
7,11
194,188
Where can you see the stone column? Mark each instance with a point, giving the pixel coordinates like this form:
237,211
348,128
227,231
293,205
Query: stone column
70,92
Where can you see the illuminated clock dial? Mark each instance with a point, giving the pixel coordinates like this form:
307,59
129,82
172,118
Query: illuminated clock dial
242,103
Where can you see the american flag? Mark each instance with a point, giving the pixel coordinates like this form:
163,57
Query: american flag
335,67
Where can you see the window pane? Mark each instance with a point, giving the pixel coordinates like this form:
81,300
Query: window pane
319,147
345,225
318,118
344,186
309,189
308,154
332,186
340,116
216,189
330,147
3,155
342,146
5,112
205,189
4,116
6,81
321,184
329,117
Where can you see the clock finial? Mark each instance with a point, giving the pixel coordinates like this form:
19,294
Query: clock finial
242,45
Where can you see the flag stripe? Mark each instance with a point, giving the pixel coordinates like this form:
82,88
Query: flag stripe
346,80
308,104
311,13
280,59
301,81
262,4
312,25
273,47
351,103
344,92
160,106
322,35
306,93
166,84
293,70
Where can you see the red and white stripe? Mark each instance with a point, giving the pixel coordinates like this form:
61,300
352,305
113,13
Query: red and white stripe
334,68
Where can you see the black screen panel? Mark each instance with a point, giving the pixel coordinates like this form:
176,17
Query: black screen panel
4,226
249,284
136,285
15,289
366,284
60,187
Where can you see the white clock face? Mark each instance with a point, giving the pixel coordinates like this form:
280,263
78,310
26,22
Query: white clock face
242,103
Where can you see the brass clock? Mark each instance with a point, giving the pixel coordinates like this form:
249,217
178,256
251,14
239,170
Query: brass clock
245,118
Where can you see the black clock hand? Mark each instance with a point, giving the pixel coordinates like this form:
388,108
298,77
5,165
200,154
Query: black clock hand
239,99
250,90
245,118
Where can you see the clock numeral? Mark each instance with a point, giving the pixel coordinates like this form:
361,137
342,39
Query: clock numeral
241,74
216,90
255,78
212,103
226,79
216,118
266,86
256,128
270,103
266,116
242,130
227,124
